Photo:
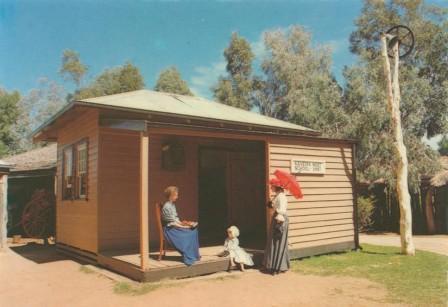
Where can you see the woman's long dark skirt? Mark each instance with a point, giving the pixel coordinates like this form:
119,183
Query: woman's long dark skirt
185,241
276,254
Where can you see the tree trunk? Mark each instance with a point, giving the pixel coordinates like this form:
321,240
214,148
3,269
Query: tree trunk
429,213
3,211
401,169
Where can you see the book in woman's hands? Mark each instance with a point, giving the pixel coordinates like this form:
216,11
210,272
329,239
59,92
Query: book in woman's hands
191,224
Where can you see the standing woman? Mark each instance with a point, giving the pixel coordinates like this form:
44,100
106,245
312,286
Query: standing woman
276,254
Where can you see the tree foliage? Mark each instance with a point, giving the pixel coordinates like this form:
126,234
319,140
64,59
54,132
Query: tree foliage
235,89
424,104
170,81
72,68
115,80
34,109
298,85
9,114
429,60
443,145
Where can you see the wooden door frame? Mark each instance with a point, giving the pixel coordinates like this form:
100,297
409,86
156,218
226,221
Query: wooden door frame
263,152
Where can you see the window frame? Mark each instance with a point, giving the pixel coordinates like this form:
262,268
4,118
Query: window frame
82,142
65,194
76,179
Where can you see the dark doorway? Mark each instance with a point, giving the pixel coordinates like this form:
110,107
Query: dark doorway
20,192
232,192
212,196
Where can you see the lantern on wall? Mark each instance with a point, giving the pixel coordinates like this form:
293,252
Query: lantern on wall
173,156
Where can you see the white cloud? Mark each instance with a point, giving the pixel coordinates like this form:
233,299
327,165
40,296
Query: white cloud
205,77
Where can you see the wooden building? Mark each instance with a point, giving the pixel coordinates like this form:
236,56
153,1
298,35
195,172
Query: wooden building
4,171
33,170
117,153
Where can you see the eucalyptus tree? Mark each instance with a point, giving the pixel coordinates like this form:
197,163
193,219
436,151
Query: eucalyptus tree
443,145
235,89
298,85
72,68
170,81
114,80
423,82
9,115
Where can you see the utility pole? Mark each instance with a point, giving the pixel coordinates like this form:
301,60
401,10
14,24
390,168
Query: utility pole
393,102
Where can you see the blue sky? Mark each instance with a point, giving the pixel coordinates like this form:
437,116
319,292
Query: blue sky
155,34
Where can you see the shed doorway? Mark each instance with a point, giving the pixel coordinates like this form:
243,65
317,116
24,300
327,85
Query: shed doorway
232,192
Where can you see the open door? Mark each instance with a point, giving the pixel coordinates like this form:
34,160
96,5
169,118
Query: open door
212,196
231,192
246,200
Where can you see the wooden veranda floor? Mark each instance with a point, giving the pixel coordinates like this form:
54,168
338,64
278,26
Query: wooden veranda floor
127,262
172,258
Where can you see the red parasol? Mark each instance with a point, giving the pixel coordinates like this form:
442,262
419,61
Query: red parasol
289,182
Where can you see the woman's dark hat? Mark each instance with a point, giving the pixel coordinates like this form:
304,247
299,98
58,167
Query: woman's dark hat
275,182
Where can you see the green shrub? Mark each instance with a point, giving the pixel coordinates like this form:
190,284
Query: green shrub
366,206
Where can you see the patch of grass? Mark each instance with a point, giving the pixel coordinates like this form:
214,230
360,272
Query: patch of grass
417,280
126,288
86,269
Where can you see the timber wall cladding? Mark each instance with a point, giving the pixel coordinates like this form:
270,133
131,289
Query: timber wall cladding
186,179
325,214
119,184
119,189
76,222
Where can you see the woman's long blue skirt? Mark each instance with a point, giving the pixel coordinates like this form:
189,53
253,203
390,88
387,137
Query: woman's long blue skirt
185,241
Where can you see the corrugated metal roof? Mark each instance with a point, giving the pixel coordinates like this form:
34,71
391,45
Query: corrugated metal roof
146,100
5,165
35,159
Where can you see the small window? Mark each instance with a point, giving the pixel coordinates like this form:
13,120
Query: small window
81,170
75,171
68,184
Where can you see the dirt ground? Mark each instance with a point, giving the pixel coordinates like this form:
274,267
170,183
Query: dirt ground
35,275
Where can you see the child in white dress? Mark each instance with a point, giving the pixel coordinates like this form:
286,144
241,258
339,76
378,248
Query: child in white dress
236,253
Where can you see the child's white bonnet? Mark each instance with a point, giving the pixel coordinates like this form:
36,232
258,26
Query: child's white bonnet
235,231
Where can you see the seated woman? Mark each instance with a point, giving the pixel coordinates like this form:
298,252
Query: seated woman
182,235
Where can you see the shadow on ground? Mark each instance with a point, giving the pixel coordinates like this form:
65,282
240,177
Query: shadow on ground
40,253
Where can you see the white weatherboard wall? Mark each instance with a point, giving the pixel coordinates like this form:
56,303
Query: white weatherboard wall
324,217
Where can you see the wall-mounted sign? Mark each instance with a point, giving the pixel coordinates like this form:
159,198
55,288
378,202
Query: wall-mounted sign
300,166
